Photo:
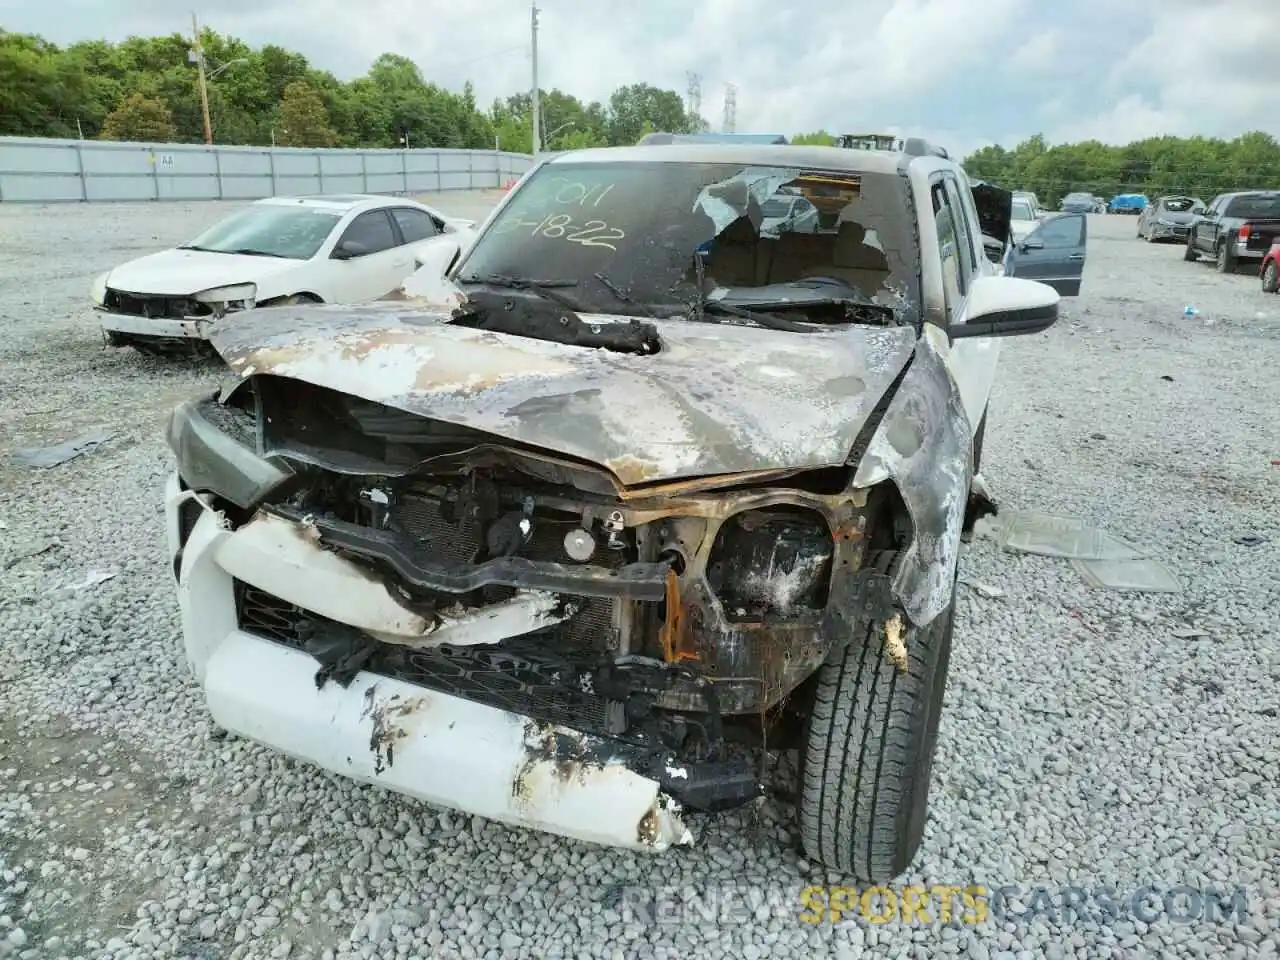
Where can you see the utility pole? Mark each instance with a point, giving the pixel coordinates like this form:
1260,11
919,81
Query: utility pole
537,104
730,108
197,51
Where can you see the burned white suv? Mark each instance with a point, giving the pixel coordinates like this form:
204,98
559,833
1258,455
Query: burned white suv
582,526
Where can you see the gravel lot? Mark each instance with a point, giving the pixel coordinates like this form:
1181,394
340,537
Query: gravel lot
1089,738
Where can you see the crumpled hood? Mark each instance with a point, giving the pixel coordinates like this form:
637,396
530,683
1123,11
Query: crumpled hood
717,399
180,273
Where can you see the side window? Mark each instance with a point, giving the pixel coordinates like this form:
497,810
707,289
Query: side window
1061,232
1214,205
414,224
372,231
948,248
966,226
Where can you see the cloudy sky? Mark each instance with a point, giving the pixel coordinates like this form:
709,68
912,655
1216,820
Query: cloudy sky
963,72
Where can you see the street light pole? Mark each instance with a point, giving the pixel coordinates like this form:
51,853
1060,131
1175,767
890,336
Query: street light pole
537,106
198,49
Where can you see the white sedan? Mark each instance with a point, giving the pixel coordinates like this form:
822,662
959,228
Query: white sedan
282,250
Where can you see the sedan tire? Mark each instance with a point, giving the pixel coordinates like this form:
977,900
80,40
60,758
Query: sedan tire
867,755
1223,259
1270,278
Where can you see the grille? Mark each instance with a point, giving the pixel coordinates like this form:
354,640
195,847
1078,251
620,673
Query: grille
591,632
520,676
172,308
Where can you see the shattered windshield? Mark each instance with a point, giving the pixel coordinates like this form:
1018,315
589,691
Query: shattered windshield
657,238
269,230
1178,204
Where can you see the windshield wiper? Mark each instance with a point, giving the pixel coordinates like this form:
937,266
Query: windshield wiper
561,327
244,251
251,252
807,293
622,296
544,288
768,320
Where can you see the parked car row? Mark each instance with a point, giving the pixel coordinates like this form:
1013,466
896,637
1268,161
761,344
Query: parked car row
1233,229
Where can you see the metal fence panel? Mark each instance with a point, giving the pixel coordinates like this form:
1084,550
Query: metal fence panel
35,169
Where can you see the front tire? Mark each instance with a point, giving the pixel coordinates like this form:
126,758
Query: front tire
1223,259
869,745
1271,278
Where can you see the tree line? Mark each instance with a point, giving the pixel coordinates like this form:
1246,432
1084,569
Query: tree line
1158,166
146,89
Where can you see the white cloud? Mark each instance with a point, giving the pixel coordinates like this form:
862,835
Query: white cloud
1037,55
1115,70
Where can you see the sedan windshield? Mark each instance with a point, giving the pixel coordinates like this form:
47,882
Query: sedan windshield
661,237
269,230
1178,204
1022,211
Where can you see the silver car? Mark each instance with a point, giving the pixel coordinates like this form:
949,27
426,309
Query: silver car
1168,218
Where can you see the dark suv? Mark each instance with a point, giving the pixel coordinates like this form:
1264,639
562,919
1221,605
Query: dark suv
1235,227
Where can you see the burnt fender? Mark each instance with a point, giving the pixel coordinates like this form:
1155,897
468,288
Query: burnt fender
924,447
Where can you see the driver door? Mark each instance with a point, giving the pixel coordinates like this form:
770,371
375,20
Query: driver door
381,266
1053,253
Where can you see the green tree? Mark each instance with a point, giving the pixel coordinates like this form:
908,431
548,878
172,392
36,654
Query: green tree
633,106
303,120
819,138
139,118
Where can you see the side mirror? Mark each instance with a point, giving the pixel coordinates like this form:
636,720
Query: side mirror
1007,307
1031,243
348,249
993,248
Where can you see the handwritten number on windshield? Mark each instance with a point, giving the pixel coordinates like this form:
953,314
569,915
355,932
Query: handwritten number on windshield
580,193
593,233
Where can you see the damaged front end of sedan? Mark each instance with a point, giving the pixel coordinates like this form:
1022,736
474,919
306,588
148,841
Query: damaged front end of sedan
556,580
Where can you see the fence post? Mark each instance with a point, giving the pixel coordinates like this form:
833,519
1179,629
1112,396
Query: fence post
439,181
155,173
217,171
84,185
271,161
404,172
320,169
364,172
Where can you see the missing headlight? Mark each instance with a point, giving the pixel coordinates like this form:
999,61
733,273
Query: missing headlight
771,563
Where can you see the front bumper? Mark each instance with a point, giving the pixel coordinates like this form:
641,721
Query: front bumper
154,328
380,730
1167,231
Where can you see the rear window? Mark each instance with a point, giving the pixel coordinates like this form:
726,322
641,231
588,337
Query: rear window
1179,204
647,229
1259,206
1022,210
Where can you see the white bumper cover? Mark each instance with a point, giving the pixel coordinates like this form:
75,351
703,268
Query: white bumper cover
380,730
191,328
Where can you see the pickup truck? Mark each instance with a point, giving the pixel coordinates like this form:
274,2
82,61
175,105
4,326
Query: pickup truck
1236,227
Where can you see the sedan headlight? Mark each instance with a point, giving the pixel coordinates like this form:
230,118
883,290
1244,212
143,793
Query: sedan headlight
237,296
98,289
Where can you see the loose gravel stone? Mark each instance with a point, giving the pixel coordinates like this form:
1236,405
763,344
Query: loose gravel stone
1089,738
